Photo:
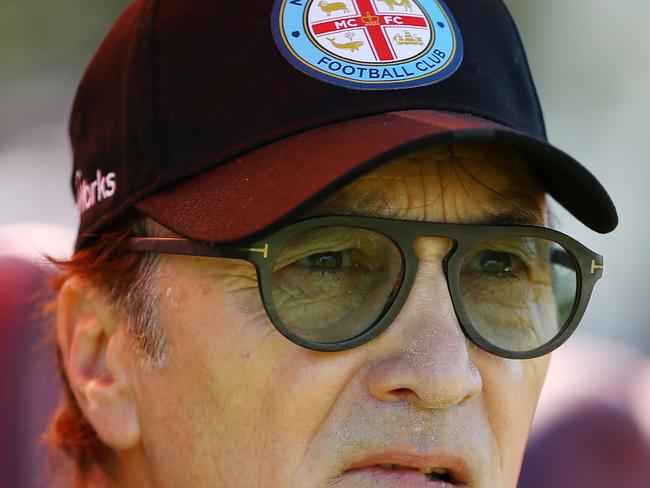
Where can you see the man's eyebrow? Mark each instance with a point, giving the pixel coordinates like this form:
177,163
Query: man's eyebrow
518,216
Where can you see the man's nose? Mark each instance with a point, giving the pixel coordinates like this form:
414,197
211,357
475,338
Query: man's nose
423,357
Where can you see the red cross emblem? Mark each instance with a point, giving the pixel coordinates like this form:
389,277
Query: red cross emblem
375,25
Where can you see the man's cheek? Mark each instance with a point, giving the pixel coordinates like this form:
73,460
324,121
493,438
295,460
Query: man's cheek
511,390
535,371
524,380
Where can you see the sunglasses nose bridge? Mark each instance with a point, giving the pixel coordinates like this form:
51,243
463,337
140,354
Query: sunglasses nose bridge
432,247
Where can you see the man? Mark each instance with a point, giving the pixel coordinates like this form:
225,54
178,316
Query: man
312,248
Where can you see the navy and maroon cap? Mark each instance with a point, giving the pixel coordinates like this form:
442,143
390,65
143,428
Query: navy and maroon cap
222,120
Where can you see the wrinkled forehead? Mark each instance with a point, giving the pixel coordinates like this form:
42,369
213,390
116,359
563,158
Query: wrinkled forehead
447,183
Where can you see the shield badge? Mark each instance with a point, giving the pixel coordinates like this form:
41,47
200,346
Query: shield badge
369,44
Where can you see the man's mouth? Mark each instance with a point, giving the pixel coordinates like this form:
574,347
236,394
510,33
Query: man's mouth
433,474
409,470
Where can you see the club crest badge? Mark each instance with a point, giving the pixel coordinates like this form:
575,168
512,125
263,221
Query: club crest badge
369,44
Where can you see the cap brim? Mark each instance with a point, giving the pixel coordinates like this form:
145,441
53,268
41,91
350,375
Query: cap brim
270,185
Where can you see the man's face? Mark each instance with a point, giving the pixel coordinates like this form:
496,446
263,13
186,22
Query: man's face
238,405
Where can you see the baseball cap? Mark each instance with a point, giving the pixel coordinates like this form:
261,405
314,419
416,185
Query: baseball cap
223,120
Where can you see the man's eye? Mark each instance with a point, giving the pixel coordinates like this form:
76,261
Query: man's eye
329,260
324,260
494,262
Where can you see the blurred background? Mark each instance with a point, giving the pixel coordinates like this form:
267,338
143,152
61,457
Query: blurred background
590,60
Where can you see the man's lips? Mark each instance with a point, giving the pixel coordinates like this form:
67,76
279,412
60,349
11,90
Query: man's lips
407,469
384,478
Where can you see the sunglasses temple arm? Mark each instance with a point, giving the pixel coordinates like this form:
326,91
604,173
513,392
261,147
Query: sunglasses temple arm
186,247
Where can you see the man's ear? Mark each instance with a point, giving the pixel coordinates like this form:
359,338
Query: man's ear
95,355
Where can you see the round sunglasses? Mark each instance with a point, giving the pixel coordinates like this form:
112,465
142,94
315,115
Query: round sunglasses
331,283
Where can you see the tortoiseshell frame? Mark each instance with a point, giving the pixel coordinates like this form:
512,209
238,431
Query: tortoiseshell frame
263,252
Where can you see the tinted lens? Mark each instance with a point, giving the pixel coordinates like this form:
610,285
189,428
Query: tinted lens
331,284
518,292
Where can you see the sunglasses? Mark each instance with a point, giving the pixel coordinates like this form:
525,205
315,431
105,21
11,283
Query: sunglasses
332,283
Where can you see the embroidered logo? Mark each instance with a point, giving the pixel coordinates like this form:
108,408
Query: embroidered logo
369,44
